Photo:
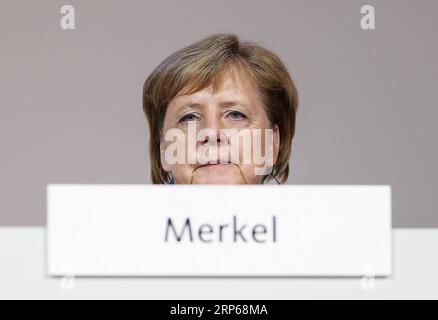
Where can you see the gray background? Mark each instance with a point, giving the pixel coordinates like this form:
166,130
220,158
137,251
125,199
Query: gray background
70,101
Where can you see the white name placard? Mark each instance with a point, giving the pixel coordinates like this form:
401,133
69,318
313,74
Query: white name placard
218,230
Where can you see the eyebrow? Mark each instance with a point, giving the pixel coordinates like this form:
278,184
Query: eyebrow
189,105
223,104
229,103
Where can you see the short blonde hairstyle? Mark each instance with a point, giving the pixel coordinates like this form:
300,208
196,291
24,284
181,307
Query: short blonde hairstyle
204,63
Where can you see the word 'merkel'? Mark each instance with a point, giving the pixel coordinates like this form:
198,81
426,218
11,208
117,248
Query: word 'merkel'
233,232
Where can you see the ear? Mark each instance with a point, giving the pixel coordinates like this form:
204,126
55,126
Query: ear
164,164
276,144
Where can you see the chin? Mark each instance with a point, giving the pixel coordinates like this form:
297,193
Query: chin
221,180
218,174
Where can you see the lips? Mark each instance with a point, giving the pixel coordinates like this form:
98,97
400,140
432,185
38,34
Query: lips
223,164
212,164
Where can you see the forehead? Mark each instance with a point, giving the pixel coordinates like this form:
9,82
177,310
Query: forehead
232,84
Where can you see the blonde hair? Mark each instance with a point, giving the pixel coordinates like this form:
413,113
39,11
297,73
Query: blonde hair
204,63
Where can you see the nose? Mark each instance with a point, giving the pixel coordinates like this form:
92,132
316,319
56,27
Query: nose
211,129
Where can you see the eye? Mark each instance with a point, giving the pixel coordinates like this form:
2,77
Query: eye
188,117
237,115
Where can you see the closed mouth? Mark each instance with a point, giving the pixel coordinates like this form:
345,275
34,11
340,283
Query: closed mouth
212,164
219,164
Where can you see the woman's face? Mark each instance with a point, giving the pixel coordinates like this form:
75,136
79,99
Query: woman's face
233,108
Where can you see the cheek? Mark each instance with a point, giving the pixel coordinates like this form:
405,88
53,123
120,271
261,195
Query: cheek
255,144
174,149
249,171
182,173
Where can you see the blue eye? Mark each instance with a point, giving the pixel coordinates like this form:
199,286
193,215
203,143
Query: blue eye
188,117
236,115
